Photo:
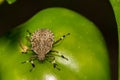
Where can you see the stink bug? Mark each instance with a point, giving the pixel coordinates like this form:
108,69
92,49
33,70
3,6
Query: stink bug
42,42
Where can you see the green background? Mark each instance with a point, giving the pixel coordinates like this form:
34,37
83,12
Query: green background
100,12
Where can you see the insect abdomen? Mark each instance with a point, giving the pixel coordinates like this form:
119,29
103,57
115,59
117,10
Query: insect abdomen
42,41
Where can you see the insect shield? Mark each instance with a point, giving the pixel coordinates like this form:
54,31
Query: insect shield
42,42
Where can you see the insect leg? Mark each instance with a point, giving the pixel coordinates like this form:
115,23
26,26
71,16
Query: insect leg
28,36
55,66
32,62
33,65
53,62
64,57
61,38
54,51
32,58
59,55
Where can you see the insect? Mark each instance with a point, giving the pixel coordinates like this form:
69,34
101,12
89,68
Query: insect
42,42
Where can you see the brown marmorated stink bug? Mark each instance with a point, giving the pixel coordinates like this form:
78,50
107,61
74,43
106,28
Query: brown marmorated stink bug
42,42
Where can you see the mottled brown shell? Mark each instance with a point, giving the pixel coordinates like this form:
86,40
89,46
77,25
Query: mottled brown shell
42,41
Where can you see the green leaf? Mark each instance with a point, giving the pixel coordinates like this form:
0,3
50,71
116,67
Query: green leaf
116,7
11,1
